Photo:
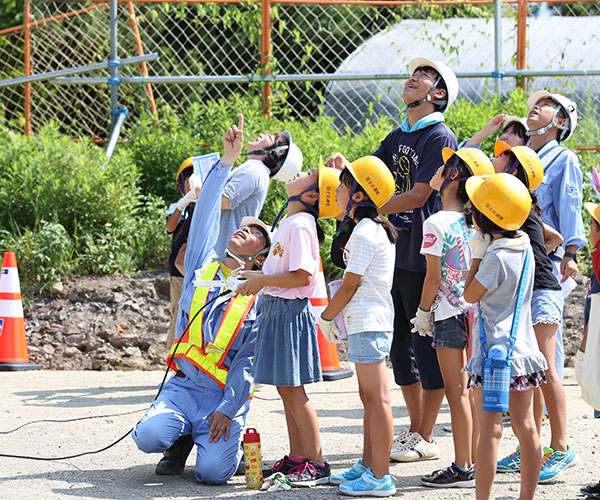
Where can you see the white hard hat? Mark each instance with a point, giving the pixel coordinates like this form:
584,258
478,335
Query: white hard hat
291,163
565,103
512,119
446,74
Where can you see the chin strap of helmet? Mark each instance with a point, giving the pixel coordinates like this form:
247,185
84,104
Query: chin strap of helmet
270,152
563,128
367,203
310,208
428,98
242,259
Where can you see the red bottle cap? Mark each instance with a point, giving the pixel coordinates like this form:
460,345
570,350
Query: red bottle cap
251,436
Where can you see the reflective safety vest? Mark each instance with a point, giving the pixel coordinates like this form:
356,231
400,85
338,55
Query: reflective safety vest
209,356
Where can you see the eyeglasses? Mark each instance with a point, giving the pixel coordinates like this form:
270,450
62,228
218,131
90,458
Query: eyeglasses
254,231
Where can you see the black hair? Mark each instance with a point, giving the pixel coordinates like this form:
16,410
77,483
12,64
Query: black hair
462,170
273,158
441,85
185,173
487,226
371,212
518,129
524,178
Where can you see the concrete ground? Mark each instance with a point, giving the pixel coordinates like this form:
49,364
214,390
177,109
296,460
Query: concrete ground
123,472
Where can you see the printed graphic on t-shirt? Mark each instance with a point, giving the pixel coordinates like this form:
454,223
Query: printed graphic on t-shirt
277,249
345,255
404,160
456,257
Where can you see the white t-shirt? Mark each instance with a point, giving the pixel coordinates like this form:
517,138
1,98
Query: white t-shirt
446,235
370,254
294,246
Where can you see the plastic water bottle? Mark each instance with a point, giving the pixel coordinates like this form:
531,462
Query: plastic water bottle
496,380
252,459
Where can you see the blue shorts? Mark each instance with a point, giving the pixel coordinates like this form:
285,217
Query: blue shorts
547,307
369,347
451,333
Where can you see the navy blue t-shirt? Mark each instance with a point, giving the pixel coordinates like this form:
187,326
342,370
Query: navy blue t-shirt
414,157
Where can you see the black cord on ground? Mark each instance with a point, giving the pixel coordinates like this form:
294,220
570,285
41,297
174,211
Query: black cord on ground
6,455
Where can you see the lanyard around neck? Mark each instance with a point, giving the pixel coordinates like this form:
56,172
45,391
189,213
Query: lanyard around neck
518,306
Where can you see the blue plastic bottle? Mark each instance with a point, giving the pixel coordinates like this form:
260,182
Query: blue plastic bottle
496,380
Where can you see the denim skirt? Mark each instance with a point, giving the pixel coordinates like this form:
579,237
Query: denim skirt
287,349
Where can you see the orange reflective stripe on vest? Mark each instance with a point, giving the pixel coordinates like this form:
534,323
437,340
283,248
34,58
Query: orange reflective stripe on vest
208,357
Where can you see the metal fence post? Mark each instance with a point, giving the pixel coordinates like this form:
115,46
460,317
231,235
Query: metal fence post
498,46
114,66
265,53
27,94
521,40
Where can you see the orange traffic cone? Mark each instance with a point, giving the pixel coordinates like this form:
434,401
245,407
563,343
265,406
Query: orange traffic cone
13,346
330,363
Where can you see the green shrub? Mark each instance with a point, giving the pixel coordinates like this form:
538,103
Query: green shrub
44,255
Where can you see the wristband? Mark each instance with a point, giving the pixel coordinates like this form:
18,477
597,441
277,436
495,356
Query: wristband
425,310
573,255
324,318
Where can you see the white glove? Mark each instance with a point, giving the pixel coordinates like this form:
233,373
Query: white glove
329,330
190,197
479,244
423,323
578,364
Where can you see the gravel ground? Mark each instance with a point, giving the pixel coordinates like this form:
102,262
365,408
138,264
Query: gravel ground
123,472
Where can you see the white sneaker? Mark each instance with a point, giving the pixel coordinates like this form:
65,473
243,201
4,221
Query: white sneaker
401,438
415,449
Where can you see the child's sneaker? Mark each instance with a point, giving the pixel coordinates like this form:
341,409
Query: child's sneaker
369,485
555,462
309,473
284,465
451,477
511,463
351,474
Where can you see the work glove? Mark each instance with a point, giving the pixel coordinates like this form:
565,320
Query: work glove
190,197
329,330
479,244
578,365
422,323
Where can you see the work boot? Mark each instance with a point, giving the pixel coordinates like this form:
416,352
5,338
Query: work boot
173,462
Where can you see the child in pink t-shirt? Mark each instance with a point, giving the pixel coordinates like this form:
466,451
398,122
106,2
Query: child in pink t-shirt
287,350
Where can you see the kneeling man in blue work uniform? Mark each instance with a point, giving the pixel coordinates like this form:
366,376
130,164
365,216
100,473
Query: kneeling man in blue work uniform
207,401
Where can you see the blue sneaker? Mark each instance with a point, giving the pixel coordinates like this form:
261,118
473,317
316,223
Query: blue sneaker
555,462
369,485
357,470
511,463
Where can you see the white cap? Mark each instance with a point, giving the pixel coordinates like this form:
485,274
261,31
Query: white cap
292,162
446,74
565,103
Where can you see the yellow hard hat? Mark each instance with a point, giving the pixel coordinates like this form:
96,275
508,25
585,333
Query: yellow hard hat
502,198
374,177
593,209
528,159
329,179
476,160
186,164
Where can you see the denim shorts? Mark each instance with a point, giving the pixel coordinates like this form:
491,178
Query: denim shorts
451,333
369,347
547,307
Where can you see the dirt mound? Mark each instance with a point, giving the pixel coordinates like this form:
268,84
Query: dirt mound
101,323
121,322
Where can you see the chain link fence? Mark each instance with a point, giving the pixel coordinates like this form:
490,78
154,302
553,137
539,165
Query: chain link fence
225,39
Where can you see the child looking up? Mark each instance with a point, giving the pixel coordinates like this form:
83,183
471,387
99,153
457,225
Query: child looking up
366,299
501,280
287,350
445,244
